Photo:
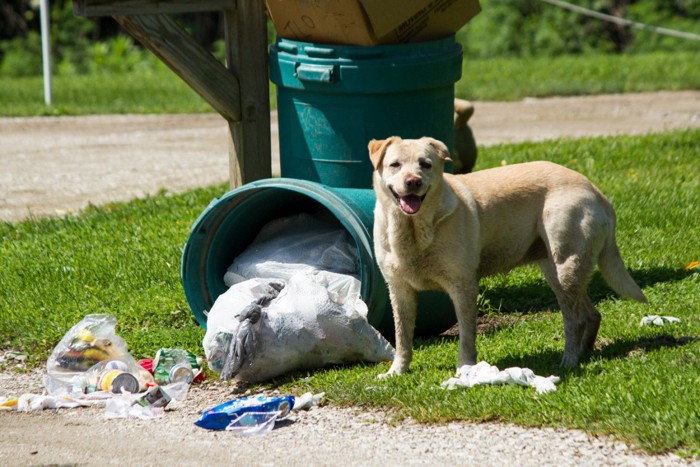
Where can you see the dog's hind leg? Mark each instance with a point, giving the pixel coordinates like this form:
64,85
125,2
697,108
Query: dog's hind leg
569,280
574,228
593,318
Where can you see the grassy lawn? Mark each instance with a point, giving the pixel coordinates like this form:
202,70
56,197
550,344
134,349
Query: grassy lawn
160,91
641,385
509,79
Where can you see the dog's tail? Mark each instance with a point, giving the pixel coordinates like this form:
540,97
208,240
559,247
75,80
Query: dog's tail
614,272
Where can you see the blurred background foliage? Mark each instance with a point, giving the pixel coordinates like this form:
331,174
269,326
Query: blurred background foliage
504,28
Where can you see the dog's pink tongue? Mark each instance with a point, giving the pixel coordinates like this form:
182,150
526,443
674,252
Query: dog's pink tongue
410,204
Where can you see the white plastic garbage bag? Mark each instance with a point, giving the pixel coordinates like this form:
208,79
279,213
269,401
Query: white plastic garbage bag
294,303
303,328
294,244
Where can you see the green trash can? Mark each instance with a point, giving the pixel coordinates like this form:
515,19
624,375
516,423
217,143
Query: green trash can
230,223
332,100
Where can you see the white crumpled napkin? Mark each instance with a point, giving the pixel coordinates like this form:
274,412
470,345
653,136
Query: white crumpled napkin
483,373
658,320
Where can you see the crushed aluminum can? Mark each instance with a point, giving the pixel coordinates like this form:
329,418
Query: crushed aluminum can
174,365
155,397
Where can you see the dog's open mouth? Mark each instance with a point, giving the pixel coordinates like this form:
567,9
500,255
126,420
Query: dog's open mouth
410,204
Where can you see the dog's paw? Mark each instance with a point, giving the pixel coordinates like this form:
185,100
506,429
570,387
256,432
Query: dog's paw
390,374
569,361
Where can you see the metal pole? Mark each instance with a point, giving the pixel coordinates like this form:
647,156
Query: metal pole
45,13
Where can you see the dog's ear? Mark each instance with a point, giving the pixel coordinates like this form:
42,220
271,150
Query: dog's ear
440,148
377,149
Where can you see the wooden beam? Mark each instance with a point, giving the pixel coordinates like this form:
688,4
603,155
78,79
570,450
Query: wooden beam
246,51
147,7
190,61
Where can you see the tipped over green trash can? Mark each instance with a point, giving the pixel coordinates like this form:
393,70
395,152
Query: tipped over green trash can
230,223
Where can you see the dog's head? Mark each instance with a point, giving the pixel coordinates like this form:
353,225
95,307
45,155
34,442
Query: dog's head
406,169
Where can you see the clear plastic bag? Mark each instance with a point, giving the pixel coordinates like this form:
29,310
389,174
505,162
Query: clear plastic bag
117,376
86,353
253,423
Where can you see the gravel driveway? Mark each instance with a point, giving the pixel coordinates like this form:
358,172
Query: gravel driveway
58,165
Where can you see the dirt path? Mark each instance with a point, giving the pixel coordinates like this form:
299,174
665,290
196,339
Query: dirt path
57,165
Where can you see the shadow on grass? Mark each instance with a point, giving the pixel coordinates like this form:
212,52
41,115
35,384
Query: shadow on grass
545,363
628,347
533,297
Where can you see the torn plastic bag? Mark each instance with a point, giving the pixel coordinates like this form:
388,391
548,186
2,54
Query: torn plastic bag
294,304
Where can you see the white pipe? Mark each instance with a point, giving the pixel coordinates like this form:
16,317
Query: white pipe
46,48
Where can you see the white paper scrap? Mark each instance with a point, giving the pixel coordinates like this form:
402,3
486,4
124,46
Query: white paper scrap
482,373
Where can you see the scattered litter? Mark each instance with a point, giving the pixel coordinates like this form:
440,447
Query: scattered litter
230,414
91,366
79,359
19,358
308,400
658,320
34,402
175,366
293,303
483,373
154,397
8,403
126,407
253,423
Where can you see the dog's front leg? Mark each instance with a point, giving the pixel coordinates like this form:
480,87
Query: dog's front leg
404,304
464,302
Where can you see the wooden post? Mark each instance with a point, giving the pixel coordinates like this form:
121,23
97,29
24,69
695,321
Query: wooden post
246,57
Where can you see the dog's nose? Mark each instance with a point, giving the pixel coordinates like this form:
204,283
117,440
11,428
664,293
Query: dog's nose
414,182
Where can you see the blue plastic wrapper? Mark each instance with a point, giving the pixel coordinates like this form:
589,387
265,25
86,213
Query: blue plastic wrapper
219,417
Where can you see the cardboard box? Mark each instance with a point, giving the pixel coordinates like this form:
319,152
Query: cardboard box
369,22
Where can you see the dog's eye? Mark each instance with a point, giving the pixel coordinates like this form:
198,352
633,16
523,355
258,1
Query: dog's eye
426,164
395,165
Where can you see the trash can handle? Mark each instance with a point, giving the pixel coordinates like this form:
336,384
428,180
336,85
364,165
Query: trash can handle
316,73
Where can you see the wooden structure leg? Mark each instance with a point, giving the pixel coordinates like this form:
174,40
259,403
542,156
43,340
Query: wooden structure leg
246,58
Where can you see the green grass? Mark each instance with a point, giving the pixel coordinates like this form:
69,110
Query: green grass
122,259
161,91
641,385
513,79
